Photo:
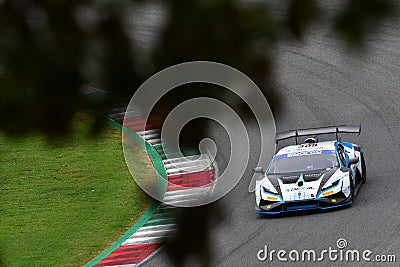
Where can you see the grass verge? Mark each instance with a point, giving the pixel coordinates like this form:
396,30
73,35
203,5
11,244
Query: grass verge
61,205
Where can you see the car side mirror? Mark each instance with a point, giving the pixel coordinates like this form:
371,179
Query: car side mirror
258,170
345,169
353,161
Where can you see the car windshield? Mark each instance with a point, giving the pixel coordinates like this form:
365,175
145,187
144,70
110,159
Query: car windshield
303,163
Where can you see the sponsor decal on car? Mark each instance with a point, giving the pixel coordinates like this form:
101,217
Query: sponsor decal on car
304,153
300,188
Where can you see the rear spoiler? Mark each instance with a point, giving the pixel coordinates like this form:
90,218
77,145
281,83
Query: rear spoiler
317,131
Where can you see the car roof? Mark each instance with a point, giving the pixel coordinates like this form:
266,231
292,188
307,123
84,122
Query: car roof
308,147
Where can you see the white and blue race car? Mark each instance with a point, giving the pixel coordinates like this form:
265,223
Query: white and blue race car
313,174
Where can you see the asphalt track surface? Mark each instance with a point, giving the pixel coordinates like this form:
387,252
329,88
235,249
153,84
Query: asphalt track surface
320,85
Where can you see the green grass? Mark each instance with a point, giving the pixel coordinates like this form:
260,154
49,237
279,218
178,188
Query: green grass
63,205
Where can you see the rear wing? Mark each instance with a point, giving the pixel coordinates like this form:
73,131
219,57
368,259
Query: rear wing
318,131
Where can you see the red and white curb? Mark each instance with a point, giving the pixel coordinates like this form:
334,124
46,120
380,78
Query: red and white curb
145,242
187,181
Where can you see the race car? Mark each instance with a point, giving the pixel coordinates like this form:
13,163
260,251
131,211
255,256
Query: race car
312,174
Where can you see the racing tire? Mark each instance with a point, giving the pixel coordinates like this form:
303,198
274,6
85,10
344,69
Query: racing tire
352,189
363,169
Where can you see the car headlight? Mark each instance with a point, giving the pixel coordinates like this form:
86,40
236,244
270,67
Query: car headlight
334,180
268,187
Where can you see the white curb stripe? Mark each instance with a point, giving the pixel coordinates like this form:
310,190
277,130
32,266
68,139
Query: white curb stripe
154,141
156,228
177,165
181,159
188,169
126,265
179,194
145,240
148,136
154,131
152,233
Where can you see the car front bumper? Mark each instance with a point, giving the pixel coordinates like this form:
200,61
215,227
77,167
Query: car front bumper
293,206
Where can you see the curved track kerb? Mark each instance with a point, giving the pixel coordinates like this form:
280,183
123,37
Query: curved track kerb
157,163
144,238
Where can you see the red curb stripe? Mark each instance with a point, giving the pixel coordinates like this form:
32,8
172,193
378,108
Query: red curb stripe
129,248
191,174
192,184
138,119
185,179
128,257
140,128
182,176
122,250
193,179
129,254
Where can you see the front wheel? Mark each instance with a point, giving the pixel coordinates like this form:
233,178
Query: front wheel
352,189
363,169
